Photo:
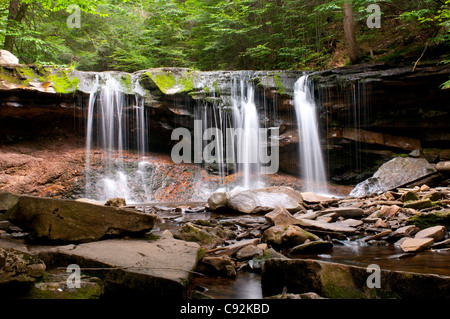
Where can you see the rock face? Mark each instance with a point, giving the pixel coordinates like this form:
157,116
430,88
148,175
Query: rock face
332,280
160,268
395,173
259,200
64,220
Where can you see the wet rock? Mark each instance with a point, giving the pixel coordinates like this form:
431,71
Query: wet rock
204,235
346,212
264,199
441,244
18,271
248,252
280,216
72,221
340,281
378,236
429,219
437,233
352,222
416,244
257,263
405,231
314,247
419,204
395,173
217,200
286,236
233,248
217,265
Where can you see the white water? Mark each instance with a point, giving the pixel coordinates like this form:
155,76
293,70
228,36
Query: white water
108,131
311,161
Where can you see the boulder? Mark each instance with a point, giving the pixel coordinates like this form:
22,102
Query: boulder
340,281
257,263
7,57
395,173
248,252
264,199
280,216
286,236
8,203
18,271
217,200
217,266
204,235
416,244
437,233
133,268
72,221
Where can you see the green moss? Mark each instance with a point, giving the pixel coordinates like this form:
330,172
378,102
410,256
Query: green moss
125,83
165,81
280,86
63,82
216,87
425,220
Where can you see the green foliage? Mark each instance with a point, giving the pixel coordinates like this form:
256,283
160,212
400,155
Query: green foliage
130,35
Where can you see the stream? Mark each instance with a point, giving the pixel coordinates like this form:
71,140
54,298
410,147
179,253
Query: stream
247,284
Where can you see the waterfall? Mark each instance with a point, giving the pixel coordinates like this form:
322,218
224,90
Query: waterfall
116,122
246,118
311,161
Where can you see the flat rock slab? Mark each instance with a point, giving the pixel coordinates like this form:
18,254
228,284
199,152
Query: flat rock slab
157,268
320,225
416,244
346,212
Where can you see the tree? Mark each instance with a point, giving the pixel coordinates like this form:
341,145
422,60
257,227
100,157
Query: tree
18,11
349,31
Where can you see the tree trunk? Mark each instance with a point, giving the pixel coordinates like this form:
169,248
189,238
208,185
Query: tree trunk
16,14
349,31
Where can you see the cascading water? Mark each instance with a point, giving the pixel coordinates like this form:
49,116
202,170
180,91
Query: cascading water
313,169
111,115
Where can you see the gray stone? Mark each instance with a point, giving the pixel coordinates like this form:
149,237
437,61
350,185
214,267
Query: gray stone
217,200
150,268
264,199
395,173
